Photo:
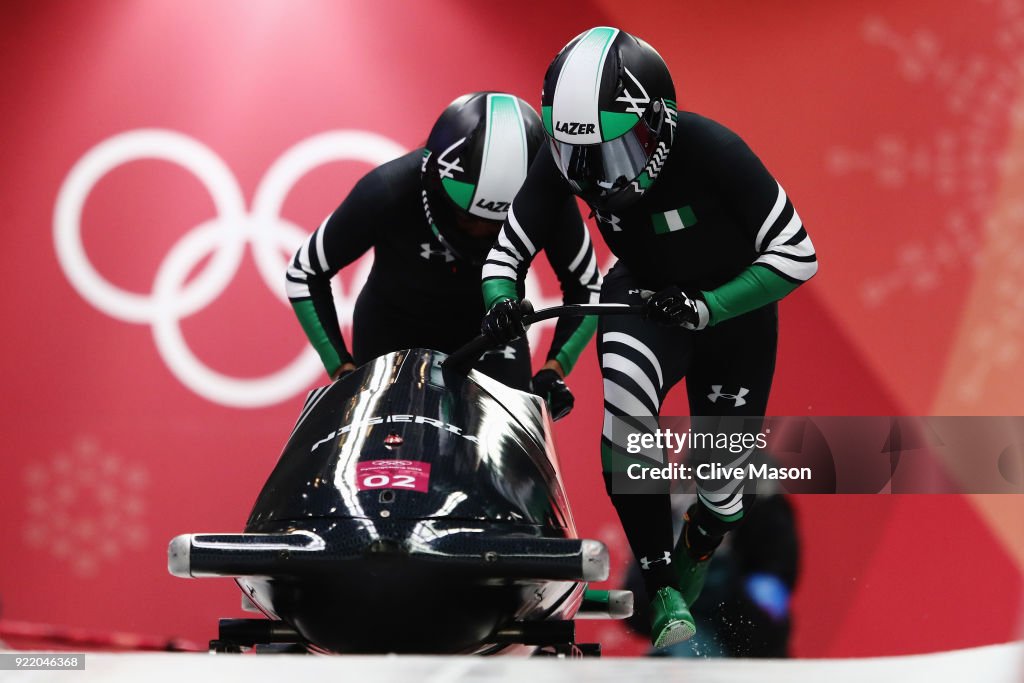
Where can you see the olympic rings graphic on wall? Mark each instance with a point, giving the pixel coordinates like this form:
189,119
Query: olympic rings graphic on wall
223,238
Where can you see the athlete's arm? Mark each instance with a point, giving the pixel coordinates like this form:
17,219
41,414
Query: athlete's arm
571,255
341,239
541,199
785,256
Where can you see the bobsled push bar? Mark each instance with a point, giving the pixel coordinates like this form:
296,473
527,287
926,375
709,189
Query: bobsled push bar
463,357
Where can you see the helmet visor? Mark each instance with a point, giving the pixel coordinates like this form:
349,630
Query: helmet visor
599,171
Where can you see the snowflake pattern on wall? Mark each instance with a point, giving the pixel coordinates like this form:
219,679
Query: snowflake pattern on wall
964,166
86,506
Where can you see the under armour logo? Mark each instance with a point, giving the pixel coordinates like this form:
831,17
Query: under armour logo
446,167
610,219
506,352
427,250
646,564
716,393
634,102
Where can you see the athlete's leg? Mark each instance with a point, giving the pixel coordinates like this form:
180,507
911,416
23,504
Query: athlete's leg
640,361
727,388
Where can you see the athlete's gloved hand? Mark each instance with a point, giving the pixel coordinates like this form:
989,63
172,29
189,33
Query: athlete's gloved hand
673,307
550,386
345,368
346,364
504,322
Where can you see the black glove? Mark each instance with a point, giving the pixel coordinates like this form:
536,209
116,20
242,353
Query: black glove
673,307
504,322
549,386
346,365
346,369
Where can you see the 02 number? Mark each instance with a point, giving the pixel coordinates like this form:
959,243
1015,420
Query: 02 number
387,481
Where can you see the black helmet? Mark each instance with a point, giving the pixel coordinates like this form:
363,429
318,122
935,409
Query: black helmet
609,107
474,164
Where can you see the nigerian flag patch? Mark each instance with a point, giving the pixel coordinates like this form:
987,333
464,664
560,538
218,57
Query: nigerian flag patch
673,220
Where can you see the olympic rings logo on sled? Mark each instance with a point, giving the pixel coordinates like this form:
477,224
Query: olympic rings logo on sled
223,237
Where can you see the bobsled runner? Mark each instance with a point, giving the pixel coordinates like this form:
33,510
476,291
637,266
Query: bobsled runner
417,507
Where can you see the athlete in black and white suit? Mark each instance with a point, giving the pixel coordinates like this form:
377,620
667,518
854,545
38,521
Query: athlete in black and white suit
430,217
706,239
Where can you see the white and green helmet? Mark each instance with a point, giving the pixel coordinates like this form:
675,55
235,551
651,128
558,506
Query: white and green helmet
474,163
609,110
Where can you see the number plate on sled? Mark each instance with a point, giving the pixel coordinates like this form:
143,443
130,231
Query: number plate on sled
410,475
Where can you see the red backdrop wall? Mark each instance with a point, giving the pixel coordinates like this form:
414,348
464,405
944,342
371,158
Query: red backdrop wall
137,408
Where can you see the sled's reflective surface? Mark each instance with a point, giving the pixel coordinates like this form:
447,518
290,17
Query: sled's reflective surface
488,442
409,512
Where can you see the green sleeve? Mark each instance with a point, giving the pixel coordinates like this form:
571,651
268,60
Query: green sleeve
317,335
496,290
755,287
570,351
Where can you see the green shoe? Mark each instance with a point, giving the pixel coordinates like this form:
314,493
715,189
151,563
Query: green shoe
691,572
671,621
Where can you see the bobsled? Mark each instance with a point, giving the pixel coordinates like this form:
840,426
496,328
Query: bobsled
417,507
